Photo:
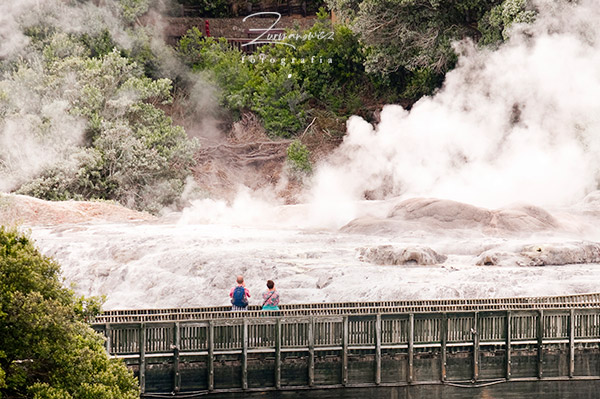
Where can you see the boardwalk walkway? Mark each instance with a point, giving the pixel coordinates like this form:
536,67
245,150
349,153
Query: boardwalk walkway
358,345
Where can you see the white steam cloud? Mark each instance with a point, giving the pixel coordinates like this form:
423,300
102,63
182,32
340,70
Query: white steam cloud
519,124
68,16
37,127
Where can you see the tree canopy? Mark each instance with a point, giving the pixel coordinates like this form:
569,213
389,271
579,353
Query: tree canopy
81,116
48,350
415,37
416,34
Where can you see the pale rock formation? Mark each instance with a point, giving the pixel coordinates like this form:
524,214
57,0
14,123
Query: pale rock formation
391,255
543,255
434,215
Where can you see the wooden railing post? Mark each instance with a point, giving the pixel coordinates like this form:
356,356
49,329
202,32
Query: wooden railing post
311,352
108,342
142,345
345,332
540,342
572,343
176,346
444,340
245,354
475,332
211,356
411,337
278,354
378,349
508,344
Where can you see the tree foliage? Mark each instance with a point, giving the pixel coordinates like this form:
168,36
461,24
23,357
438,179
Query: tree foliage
298,157
90,113
132,9
321,67
411,40
209,8
48,350
133,153
414,34
247,83
498,21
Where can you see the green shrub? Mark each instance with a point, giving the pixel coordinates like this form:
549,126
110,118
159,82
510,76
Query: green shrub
48,349
282,92
218,63
422,82
134,146
132,9
496,23
248,83
298,157
279,101
332,62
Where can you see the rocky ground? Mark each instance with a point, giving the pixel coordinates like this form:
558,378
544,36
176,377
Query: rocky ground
24,210
417,251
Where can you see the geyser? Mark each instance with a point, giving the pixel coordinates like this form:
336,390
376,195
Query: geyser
518,124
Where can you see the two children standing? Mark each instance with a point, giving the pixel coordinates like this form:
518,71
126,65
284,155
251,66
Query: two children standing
239,296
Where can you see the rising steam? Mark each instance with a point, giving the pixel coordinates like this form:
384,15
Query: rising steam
521,123
37,129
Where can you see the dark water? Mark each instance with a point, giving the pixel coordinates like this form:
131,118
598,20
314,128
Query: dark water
506,390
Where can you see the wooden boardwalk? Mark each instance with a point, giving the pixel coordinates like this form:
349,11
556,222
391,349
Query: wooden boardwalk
374,344
337,308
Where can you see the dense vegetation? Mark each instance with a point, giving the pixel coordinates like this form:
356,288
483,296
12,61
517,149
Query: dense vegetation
230,8
111,86
381,51
290,86
48,350
96,105
135,154
417,35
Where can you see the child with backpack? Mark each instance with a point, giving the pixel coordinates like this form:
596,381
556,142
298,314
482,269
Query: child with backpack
239,295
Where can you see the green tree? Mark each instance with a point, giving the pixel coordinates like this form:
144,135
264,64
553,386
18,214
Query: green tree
48,350
134,155
221,65
252,83
416,34
333,63
283,84
298,157
496,24
408,43
91,112
209,8
345,10
132,9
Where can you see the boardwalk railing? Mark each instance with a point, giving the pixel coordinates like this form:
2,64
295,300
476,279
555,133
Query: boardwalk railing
341,308
282,352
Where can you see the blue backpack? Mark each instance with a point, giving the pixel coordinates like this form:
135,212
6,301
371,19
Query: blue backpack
239,297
